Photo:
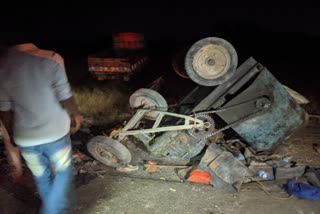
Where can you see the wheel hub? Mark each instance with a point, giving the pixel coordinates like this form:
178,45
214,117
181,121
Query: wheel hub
203,131
107,155
211,61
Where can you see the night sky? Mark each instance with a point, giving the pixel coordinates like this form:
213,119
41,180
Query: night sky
282,35
160,21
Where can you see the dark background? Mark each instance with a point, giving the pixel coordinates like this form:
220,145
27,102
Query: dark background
284,36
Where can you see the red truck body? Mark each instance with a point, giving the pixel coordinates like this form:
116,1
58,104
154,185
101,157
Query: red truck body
125,59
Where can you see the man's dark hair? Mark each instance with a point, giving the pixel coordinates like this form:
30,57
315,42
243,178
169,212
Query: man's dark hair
6,43
18,41
15,40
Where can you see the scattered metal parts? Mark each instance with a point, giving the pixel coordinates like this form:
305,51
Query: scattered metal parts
290,172
248,154
234,147
152,166
224,168
313,176
212,152
296,96
228,168
283,162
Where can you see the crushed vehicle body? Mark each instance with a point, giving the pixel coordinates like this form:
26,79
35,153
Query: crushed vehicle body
234,111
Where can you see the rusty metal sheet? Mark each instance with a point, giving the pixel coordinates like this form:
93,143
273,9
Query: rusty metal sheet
265,131
252,80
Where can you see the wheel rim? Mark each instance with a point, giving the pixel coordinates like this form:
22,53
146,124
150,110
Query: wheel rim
107,155
108,151
211,61
148,99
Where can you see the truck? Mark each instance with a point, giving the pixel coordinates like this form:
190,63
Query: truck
126,58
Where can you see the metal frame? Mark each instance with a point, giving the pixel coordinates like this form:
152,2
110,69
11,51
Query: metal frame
189,122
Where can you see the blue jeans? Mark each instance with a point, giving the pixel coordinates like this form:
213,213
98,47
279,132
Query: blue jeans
51,166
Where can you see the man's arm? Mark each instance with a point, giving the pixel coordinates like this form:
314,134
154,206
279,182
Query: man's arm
13,152
72,108
63,93
6,125
6,117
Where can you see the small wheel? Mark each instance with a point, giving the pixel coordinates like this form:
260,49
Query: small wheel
211,61
148,99
108,151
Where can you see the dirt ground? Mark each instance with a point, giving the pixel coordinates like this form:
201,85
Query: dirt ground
126,194
132,195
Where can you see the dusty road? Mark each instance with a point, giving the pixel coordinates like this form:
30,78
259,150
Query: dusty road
118,194
127,195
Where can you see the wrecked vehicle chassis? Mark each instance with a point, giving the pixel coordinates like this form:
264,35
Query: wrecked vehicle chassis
230,111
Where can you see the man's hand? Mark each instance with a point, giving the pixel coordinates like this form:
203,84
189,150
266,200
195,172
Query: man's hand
70,105
77,119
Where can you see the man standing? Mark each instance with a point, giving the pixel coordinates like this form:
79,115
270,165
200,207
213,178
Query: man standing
34,86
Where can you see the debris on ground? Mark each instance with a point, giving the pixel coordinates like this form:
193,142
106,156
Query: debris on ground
316,147
199,176
313,176
152,166
289,172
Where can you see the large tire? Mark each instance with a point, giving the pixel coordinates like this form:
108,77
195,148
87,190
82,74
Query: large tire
148,99
108,151
211,61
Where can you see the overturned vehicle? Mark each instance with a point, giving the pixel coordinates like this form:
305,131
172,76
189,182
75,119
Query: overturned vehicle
235,115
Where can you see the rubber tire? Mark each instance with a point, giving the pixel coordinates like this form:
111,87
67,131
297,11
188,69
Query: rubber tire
193,51
113,146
